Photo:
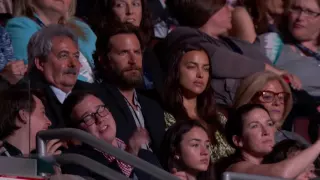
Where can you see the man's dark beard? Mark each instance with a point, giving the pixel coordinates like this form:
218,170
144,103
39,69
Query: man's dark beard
125,82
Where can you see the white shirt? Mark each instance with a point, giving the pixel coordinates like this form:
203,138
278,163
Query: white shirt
61,96
85,70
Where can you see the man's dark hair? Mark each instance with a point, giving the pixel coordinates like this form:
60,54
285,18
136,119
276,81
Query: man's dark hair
71,101
193,13
12,101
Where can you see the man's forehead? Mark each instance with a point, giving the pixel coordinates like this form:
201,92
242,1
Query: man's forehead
63,42
124,39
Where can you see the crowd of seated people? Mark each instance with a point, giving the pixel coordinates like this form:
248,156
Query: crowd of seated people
219,91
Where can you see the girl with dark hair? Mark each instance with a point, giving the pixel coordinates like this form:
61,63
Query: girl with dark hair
286,149
251,131
188,95
185,151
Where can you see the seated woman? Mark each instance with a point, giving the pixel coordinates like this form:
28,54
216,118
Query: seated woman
232,59
287,149
20,122
185,151
271,91
297,49
251,131
83,110
188,95
32,15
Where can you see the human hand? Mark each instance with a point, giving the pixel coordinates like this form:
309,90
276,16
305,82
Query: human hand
53,146
14,71
294,81
139,137
179,174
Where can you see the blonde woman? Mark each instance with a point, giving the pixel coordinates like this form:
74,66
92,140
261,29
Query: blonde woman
32,15
271,91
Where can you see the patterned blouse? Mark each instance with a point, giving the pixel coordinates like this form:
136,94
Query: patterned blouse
217,151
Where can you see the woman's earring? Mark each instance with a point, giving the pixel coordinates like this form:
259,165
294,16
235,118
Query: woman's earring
176,157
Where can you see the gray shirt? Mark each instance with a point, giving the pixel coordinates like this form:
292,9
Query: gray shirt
291,59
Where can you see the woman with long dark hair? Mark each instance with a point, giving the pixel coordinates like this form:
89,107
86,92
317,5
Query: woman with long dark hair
185,151
188,95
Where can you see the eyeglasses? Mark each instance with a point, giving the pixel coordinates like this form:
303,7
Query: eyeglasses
91,118
307,12
269,96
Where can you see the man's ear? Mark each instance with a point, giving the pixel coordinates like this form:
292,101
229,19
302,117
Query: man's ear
38,64
23,116
237,141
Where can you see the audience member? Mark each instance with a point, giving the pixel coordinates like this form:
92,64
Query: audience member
83,110
299,53
22,117
188,95
271,91
185,151
162,21
134,12
6,56
119,54
251,131
53,56
36,14
287,149
231,59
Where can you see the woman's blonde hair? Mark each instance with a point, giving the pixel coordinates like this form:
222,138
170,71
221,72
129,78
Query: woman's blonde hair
25,8
251,85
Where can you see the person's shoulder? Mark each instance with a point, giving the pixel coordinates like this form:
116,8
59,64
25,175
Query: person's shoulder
22,27
21,20
84,27
80,22
240,166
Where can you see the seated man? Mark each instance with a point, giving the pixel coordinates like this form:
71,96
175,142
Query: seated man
53,56
119,55
21,119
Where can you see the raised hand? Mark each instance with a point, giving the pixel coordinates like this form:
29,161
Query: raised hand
53,146
139,137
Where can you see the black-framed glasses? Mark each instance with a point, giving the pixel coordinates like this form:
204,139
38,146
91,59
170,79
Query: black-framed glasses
307,12
269,96
91,118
